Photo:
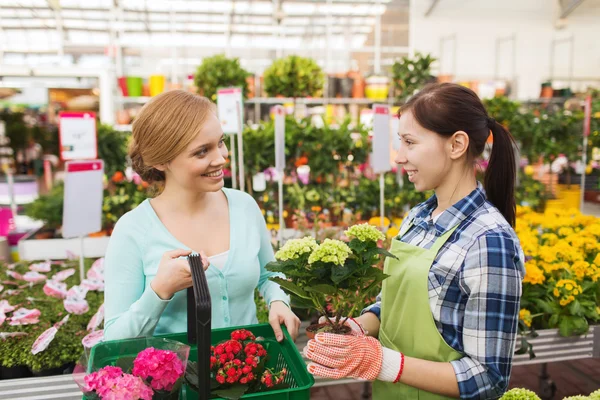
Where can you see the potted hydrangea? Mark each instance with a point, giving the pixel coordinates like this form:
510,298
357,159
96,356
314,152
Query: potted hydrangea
520,394
333,277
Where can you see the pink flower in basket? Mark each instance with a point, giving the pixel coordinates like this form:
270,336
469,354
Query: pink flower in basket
111,384
100,378
162,366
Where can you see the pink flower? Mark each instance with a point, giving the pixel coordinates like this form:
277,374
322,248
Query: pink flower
97,380
163,366
126,387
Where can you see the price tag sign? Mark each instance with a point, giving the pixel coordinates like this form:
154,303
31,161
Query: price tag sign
77,136
230,106
279,138
380,157
82,208
587,120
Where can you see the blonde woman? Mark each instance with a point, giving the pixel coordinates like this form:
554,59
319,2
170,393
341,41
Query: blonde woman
178,143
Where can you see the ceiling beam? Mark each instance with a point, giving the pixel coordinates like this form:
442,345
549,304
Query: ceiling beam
433,4
567,7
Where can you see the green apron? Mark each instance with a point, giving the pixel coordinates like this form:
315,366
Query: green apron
407,323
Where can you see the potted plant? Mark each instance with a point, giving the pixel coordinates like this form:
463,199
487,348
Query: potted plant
411,74
332,277
16,357
219,71
112,148
520,394
294,76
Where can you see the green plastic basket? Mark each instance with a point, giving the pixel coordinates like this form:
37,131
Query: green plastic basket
281,355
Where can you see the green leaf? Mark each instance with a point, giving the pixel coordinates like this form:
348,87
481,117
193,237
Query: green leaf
191,375
125,363
233,392
543,305
327,290
580,326
565,327
290,288
386,253
338,274
553,322
357,246
575,308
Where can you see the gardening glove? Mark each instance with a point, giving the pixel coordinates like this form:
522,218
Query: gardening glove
362,357
357,329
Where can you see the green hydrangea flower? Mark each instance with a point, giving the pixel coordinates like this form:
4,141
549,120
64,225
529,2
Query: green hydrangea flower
520,394
577,398
331,251
295,248
595,395
365,233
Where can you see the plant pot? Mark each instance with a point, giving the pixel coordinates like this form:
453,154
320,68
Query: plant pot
64,369
134,86
157,84
333,87
123,85
346,86
19,371
312,330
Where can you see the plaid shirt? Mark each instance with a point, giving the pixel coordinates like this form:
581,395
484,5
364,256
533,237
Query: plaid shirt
474,288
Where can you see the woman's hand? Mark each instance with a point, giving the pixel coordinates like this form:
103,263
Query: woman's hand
174,273
279,314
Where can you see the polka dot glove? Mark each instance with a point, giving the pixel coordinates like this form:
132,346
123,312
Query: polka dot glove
357,329
340,356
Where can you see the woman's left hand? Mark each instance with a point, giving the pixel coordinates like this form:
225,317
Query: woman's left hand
279,314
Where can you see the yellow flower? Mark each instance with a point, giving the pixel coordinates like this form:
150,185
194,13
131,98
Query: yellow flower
533,274
565,231
525,316
556,292
581,269
569,287
550,238
376,221
392,232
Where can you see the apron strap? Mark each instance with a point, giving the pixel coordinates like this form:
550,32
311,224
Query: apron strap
437,245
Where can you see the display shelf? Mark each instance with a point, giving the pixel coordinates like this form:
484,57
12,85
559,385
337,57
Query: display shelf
123,128
132,100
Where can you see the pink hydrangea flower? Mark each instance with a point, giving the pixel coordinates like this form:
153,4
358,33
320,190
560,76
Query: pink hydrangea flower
99,379
126,387
163,366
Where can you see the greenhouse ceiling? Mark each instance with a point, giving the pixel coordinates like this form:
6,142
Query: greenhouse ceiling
97,26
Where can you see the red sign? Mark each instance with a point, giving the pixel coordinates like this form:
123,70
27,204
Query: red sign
588,116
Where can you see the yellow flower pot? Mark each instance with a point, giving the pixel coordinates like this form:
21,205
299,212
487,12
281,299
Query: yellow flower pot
157,84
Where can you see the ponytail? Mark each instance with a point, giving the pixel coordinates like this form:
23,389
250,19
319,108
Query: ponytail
500,175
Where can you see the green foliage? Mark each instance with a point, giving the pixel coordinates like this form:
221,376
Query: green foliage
411,74
530,193
520,394
66,346
326,285
219,71
48,207
120,198
262,310
16,130
294,76
112,148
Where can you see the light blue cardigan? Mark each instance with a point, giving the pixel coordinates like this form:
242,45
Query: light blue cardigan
136,246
